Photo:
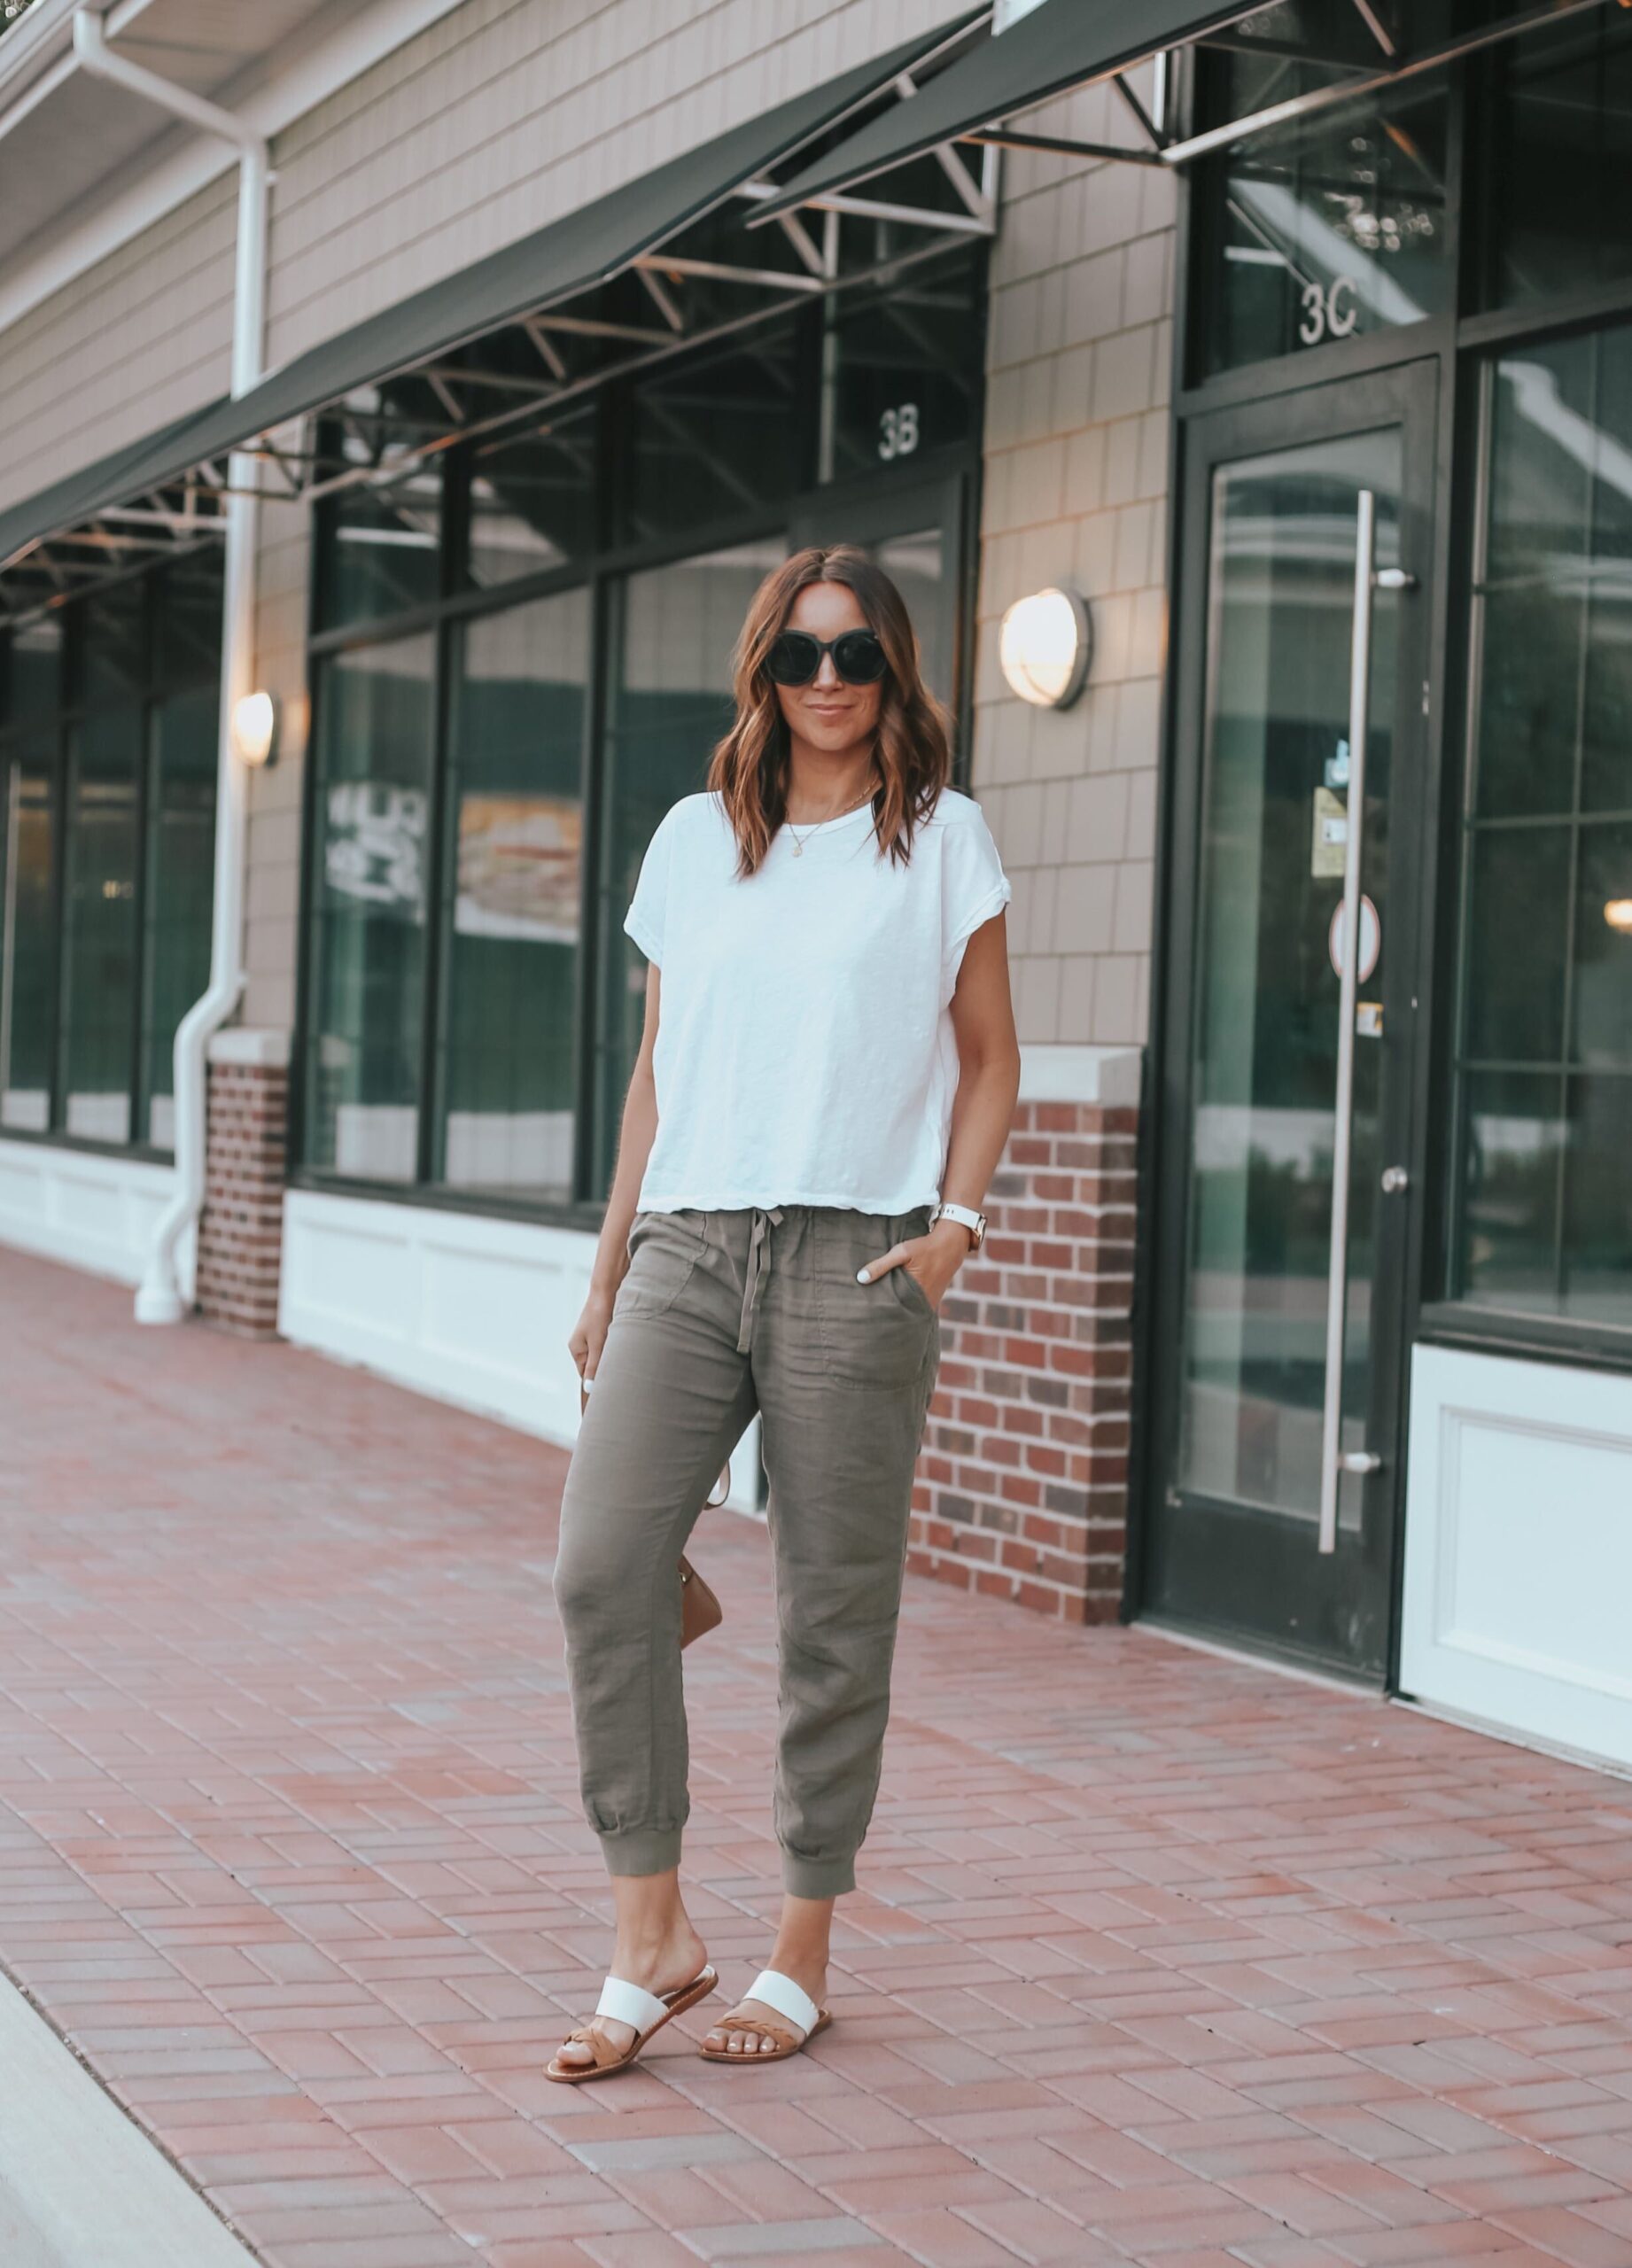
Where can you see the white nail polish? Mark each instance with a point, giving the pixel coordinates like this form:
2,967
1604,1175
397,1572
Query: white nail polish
862,1277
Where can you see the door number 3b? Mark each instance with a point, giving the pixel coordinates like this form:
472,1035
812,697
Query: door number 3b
1329,313
897,431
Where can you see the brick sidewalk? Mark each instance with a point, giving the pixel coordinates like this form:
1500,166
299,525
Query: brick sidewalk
1158,1959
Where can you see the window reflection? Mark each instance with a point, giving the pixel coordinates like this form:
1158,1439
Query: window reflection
1560,143
508,1026
373,759
179,893
901,382
1280,626
716,437
99,926
380,539
1325,229
1545,1070
532,503
669,701
28,937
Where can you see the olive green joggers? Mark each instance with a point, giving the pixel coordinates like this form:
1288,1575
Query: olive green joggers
719,1315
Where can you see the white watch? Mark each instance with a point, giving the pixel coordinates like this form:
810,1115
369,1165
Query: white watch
973,1222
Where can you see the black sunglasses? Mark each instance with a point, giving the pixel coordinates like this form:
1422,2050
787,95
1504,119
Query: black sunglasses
796,657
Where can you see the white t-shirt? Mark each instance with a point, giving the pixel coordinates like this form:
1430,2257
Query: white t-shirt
806,1052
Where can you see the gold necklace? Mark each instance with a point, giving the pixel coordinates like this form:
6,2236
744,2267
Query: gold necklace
866,796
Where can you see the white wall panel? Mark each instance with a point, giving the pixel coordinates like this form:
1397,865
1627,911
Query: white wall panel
1518,1548
469,1310
80,1206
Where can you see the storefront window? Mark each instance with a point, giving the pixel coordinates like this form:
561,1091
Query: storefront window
668,702
27,936
513,892
532,502
34,670
1542,1204
99,932
107,823
717,436
1325,228
899,382
381,538
374,711
179,892
110,656
1559,147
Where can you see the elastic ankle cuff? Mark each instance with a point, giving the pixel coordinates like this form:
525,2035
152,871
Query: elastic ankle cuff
642,1850
817,1877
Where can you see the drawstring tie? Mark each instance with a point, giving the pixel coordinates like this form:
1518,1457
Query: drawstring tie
759,1265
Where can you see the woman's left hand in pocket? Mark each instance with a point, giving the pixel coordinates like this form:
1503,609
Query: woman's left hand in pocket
934,1260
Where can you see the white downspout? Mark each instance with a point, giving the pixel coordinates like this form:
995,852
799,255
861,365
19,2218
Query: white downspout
159,1298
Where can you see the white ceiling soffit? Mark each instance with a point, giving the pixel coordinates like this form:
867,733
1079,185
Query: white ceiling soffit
87,165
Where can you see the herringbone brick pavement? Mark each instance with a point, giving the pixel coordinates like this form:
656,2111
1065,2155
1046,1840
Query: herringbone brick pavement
1158,1959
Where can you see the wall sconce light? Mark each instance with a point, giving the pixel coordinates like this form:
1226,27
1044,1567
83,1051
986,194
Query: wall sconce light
1618,914
254,727
1045,646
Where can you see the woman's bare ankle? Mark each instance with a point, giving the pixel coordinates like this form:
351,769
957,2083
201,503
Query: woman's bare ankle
661,1958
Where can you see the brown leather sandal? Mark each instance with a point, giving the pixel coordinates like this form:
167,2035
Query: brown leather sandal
630,2004
772,1990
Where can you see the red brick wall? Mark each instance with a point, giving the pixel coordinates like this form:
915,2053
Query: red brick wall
1021,1489
240,1233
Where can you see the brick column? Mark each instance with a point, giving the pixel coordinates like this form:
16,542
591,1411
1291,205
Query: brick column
1021,1489
241,1230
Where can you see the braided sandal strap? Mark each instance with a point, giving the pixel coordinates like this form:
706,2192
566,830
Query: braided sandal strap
600,2047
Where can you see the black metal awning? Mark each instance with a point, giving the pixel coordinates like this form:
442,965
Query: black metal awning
647,271
1064,45
1061,45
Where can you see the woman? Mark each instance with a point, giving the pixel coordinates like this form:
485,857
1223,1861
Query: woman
826,1078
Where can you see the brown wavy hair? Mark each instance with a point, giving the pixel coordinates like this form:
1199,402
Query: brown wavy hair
749,768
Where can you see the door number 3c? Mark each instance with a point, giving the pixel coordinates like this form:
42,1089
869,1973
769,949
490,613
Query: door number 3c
1331,313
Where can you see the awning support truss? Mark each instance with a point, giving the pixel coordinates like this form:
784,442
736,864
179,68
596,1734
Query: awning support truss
470,400
548,400
116,538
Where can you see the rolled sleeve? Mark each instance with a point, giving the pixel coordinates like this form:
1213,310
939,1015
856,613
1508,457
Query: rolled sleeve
649,907
977,889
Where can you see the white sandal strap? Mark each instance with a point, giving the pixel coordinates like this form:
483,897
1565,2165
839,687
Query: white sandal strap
630,2004
789,2000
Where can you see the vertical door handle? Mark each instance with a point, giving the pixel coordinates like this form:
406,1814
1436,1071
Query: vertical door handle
1333,1462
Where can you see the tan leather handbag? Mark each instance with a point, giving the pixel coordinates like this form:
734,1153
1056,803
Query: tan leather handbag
699,1606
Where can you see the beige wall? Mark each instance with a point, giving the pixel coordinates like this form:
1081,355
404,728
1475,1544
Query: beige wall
1076,494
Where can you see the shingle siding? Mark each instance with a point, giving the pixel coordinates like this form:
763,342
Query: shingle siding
1076,494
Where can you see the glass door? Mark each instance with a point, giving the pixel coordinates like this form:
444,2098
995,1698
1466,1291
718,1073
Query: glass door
1283,1198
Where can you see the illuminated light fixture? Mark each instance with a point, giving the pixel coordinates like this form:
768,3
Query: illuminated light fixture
254,727
1045,646
1618,914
